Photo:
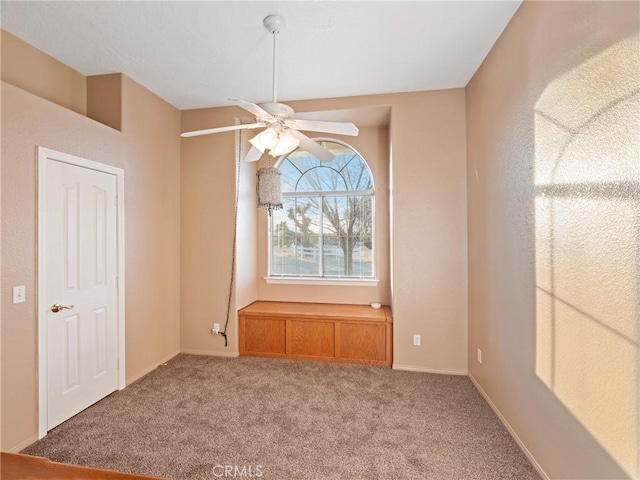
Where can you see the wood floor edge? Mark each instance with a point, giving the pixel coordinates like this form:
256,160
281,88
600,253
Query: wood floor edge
16,466
510,429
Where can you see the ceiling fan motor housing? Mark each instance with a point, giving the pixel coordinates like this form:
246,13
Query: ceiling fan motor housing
278,110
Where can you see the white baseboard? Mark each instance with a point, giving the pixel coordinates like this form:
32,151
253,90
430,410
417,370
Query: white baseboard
410,368
511,431
150,369
209,353
22,445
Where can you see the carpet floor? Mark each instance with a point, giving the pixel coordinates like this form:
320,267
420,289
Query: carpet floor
206,417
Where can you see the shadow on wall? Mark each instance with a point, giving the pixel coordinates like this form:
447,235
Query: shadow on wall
587,211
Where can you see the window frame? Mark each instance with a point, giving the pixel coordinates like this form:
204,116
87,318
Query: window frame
321,279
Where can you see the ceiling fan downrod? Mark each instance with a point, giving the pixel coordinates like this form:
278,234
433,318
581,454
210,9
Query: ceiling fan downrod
274,24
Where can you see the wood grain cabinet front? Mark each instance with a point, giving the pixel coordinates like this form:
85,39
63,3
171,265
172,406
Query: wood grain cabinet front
317,331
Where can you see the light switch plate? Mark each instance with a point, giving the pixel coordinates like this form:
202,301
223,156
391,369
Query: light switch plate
19,294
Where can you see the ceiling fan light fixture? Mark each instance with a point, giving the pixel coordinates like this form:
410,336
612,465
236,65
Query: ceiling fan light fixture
255,141
286,143
266,139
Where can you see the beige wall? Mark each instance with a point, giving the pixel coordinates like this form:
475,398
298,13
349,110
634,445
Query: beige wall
148,151
208,179
553,119
429,234
104,99
44,76
151,129
427,133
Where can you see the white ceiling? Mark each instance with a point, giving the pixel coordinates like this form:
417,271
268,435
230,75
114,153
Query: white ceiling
199,54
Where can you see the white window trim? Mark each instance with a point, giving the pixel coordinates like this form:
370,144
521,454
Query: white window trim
348,282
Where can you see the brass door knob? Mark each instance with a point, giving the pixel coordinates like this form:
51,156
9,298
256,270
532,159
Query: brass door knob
56,307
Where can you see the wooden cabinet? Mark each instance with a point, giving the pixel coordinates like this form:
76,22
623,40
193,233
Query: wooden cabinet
316,331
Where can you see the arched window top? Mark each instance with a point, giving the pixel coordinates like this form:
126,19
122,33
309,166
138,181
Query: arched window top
302,172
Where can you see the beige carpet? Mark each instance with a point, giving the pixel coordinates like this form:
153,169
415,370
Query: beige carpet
206,418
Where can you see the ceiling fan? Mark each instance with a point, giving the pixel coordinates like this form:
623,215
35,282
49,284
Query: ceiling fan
282,133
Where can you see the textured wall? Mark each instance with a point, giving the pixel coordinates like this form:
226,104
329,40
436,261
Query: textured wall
427,135
553,120
208,179
29,121
428,138
44,76
104,99
152,181
148,151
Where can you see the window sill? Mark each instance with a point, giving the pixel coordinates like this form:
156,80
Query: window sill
352,282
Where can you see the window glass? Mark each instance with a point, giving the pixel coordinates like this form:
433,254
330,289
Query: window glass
326,225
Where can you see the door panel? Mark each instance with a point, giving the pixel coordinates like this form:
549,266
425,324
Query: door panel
71,353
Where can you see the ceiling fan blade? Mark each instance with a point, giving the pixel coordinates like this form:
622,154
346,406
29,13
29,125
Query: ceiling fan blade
253,155
339,128
313,147
257,110
242,126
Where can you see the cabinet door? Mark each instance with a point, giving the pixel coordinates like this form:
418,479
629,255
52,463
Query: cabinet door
312,339
264,335
366,342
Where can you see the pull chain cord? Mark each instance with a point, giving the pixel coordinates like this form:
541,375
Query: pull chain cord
235,230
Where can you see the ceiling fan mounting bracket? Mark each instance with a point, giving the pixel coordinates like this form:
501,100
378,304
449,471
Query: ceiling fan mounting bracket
274,23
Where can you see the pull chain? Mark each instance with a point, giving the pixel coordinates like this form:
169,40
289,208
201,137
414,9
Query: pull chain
235,234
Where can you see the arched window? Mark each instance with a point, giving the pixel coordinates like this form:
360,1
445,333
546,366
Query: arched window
326,226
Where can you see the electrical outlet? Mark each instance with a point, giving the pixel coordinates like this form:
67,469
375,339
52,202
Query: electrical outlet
479,356
19,294
416,340
216,328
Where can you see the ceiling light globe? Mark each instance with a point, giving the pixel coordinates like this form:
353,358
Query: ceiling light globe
255,141
286,144
268,138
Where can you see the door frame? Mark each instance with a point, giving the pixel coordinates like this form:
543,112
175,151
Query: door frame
44,155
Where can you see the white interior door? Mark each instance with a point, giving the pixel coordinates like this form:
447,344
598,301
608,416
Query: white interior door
81,293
